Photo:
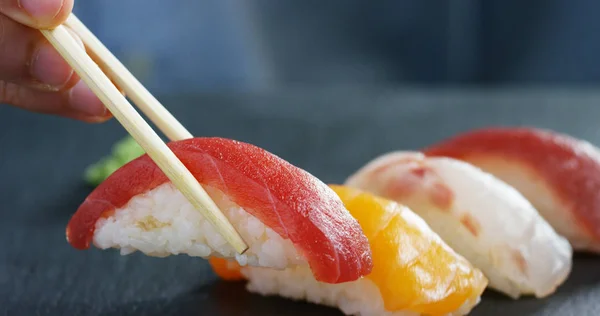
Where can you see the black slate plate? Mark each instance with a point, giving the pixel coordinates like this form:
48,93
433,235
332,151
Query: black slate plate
329,134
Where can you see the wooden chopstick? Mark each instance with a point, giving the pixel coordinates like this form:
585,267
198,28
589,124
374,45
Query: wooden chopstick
125,80
143,133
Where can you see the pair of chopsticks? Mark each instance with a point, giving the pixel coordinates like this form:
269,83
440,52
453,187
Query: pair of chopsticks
92,74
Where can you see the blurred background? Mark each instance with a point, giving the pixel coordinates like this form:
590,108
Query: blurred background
248,45
318,83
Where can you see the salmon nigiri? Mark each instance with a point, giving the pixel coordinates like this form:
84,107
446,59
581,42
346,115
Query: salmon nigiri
558,173
482,218
285,215
414,271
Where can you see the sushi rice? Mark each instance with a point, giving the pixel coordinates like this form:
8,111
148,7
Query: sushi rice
163,222
360,297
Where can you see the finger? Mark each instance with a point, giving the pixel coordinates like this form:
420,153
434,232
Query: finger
78,102
26,57
38,14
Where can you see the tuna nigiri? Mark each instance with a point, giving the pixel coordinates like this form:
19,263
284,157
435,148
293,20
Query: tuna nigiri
479,216
285,215
414,272
558,173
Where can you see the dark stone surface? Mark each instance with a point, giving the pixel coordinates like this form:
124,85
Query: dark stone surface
329,134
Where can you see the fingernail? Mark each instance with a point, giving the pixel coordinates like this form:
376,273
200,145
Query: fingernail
49,67
42,10
82,99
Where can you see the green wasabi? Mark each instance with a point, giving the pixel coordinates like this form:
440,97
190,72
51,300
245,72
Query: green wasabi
123,152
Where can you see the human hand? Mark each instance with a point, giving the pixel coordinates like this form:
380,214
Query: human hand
33,75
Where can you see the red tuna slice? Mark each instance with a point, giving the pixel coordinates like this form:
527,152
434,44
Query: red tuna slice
557,173
289,200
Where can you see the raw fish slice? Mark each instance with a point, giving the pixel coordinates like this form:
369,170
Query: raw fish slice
479,216
414,273
286,215
558,174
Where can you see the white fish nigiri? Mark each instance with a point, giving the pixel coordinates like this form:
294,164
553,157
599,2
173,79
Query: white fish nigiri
482,218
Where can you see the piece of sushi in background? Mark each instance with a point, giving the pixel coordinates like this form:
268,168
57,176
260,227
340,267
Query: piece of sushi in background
414,271
482,218
557,173
286,216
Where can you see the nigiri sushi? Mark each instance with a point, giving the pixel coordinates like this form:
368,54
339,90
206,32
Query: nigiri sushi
482,218
286,216
558,173
414,271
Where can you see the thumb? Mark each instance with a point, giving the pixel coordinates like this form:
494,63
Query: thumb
38,14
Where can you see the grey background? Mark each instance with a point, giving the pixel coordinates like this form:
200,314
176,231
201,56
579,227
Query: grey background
329,133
